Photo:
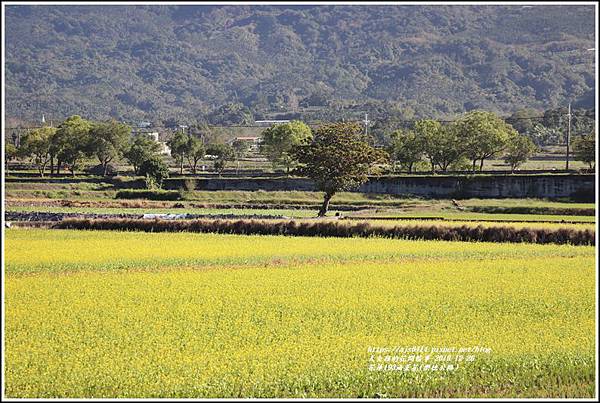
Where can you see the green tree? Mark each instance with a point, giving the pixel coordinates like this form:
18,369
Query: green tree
278,141
427,131
440,144
36,145
483,135
339,157
10,153
523,120
194,151
108,141
155,170
140,149
450,150
223,153
406,149
584,148
241,148
71,142
179,147
520,148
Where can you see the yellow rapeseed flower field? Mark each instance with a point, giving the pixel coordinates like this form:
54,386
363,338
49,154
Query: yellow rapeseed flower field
96,314
36,250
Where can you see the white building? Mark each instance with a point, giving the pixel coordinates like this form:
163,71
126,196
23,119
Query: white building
164,148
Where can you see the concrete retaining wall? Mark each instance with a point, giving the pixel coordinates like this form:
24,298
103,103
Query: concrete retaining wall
581,187
577,186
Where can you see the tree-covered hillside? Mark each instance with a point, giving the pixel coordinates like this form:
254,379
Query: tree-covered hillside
232,64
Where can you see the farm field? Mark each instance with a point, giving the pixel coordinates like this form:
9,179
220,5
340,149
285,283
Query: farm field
135,314
124,314
539,162
106,191
396,218
295,213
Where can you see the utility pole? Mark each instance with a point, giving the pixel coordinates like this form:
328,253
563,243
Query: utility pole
568,135
366,122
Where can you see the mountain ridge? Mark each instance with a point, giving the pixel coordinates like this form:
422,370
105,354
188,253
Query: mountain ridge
190,62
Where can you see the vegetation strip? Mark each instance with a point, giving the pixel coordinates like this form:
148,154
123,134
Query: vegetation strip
337,229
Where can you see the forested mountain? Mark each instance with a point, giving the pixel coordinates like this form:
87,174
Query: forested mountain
232,64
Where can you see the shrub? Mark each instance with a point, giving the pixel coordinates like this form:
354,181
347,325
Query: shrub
155,171
189,184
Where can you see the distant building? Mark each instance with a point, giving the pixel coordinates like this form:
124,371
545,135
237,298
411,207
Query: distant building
165,149
152,135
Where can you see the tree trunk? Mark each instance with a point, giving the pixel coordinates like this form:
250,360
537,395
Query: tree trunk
325,205
432,167
58,166
474,162
410,165
181,167
105,168
481,166
51,165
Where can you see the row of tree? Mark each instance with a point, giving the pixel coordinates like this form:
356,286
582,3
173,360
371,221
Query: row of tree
475,137
191,148
73,141
77,140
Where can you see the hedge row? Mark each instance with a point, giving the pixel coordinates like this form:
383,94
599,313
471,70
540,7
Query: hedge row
338,229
